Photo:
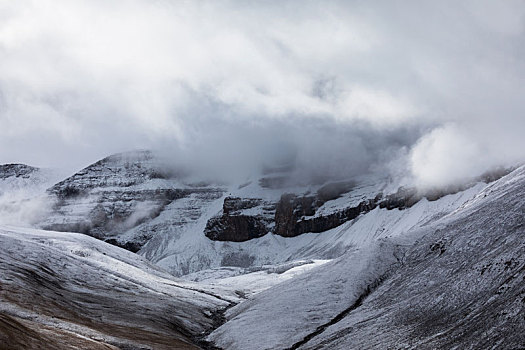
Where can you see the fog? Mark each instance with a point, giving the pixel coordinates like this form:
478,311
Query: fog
431,89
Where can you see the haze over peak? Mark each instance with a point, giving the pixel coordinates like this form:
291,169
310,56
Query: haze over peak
432,90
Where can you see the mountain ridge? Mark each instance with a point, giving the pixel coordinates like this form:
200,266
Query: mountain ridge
312,290
135,201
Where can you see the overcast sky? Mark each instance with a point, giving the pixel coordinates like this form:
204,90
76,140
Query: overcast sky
434,87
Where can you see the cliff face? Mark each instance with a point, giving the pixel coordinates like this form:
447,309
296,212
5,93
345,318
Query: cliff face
294,215
235,226
297,215
287,215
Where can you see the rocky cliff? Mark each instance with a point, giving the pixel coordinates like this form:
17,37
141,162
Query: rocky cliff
293,215
236,225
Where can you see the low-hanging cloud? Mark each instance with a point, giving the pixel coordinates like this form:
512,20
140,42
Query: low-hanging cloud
338,86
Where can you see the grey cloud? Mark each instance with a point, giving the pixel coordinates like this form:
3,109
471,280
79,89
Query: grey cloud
343,86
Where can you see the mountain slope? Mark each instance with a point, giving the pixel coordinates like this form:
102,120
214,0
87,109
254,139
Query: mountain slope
112,196
172,250
16,177
460,286
455,282
292,265
75,289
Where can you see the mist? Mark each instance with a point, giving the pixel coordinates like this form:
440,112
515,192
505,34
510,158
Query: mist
431,90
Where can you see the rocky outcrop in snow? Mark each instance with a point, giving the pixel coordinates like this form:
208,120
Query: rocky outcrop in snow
234,225
296,215
26,178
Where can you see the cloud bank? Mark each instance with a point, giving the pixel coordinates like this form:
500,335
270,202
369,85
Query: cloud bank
338,86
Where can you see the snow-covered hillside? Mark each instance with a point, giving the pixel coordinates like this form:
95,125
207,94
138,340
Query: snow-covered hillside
453,282
21,177
72,291
191,247
266,264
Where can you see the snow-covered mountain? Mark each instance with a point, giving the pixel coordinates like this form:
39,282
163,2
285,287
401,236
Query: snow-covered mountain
456,281
16,177
322,264
186,225
23,199
113,197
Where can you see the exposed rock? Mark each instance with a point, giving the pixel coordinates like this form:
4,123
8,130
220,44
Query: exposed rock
131,246
16,170
119,170
232,225
296,215
233,205
289,212
292,215
238,228
115,198
402,199
113,211
407,197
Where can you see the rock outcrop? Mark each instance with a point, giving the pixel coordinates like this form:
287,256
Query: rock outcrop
16,170
242,219
234,225
296,215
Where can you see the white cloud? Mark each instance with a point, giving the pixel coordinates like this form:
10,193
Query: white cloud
379,108
82,79
446,155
